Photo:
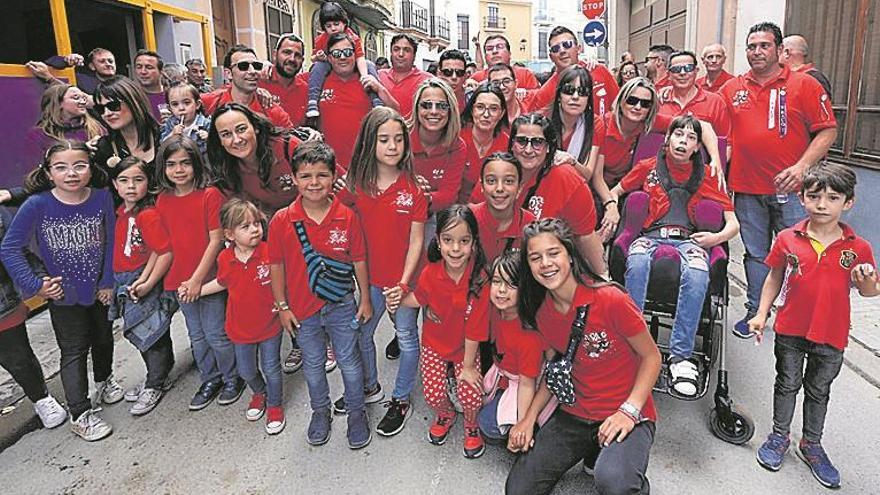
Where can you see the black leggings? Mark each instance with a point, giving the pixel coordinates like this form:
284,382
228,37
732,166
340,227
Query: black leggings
17,357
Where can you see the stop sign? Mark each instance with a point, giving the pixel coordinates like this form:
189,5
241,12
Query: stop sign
593,8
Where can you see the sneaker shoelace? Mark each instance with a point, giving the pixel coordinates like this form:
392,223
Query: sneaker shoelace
472,431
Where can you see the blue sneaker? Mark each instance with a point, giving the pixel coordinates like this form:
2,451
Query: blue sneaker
814,455
359,432
772,453
319,427
741,329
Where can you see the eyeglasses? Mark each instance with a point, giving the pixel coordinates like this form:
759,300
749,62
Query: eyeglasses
571,89
496,48
562,45
342,52
480,109
523,142
686,68
636,101
79,168
507,81
450,72
243,65
432,105
112,105
628,73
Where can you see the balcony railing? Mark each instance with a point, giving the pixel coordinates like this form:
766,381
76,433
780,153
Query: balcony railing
439,28
414,16
492,22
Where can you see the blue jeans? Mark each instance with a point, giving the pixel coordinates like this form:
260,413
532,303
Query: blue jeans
760,217
693,284
269,381
407,329
211,348
337,321
488,418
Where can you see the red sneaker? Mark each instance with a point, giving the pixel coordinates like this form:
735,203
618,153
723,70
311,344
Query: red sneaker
473,441
440,429
256,408
275,420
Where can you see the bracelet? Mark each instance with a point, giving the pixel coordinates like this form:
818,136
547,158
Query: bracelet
631,411
406,288
280,306
605,204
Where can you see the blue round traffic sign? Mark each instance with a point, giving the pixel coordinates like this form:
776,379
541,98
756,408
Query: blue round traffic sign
595,33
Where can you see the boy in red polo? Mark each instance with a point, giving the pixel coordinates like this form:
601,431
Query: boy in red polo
312,241
812,264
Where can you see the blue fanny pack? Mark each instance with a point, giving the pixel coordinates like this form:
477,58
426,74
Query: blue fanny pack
329,279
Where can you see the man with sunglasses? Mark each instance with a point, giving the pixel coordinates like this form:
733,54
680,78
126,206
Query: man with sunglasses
403,77
686,98
242,69
713,58
564,52
496,50
452,70
657,64
285,80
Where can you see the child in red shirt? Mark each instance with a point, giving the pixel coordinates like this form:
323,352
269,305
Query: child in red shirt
813,264
610,425
141,257
251,323
453,290
334,19
190,211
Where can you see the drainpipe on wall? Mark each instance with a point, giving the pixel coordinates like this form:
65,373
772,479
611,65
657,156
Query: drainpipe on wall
719,23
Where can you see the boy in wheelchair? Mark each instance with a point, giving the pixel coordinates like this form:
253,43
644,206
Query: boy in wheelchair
675,181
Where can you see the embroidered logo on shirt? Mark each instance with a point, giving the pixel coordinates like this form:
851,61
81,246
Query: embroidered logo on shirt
652,180
326,95
536,205
285,182
596,343
263,274
793,262
404,199
338,237
740,97
438,173
847,258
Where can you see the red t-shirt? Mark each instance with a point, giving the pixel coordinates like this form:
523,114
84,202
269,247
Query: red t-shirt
443,168
405,89
705,106
816,291
338,236
618,151
343,105
598,135
525,79
321,43
471,179
293,96
644,176
564,194
605,90
249,316
521,350
605,364
188,220
494,242
722,78
215,99
765,142
461,315
281,190
136,237
387,219
664,82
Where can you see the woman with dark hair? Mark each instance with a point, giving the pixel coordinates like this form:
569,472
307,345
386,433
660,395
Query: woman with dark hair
484,121
609,422
581,133
626,72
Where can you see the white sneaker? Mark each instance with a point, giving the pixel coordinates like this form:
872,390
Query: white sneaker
330,363
109,392
685,377
90,427
50,412
147,401
132,394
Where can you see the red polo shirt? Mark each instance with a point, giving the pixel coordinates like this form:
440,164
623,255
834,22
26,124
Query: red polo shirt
762,145
443,168
564,194
281,190
471,179
644,176
704,105
618,151
605,365
215,99
521,350
723,77
664,82
403,89
605,90
322,39
493,241
293,96
188,220
338,236
343,105
461,315
387,219
136,237
249,316
816,291
525,79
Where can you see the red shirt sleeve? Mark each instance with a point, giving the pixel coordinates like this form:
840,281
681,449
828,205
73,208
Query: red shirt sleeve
276,233
209,100
598,132
214,199
624,314
543,97
320,43
153,231
530,354
709,190
636,177
223,267
816,105
420,207
279,117
422,289
661,122
527,79
357,246
776,256
581,210
476,327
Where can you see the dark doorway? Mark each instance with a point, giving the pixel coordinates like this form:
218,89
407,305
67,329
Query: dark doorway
112,26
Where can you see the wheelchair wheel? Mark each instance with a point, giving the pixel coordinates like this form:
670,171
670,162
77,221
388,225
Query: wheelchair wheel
736,429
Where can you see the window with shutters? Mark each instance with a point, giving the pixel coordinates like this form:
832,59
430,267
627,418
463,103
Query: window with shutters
279,20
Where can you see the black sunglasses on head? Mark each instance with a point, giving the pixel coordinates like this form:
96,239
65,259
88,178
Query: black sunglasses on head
450,72
243,66
636,101
571,89
112,105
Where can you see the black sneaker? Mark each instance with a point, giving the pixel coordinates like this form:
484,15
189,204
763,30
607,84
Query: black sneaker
206,394
395,419
370,397
231,392
392,350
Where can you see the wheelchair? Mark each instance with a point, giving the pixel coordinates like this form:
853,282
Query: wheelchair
725,421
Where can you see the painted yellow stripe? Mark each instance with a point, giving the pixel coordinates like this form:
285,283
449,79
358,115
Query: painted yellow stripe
17,70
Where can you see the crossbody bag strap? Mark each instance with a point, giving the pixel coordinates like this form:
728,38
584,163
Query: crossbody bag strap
577,331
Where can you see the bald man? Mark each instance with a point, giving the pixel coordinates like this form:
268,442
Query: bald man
713,56
794,54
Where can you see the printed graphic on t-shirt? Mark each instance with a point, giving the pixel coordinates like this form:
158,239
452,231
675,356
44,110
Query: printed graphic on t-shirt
536,205
596,343
847,258
134,241
285,182
438,173
740,97
404,201
653,179
338,238
263,274
326,95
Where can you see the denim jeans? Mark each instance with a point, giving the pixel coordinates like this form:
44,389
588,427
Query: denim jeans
338,321
78,331
566,439
211,348
17,357
269,381
823,364
693,285
407,329
760,217
488,418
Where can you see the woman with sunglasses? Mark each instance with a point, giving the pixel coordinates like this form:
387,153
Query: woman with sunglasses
581,133
485,121
626,72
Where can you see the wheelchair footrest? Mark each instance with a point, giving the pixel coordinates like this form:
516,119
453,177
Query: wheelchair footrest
664,381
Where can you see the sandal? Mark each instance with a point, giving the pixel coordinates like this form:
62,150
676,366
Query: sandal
685,379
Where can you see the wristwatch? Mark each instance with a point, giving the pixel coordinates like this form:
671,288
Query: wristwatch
631,411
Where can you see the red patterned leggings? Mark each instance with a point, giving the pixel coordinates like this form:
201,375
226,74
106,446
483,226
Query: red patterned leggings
434,368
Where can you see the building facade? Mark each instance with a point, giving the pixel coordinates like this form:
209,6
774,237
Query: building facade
513,19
